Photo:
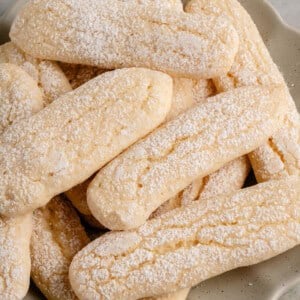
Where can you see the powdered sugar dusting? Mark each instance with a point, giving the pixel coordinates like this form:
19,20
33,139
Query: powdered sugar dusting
57,236
193,145
253,65
81,128
192,243
152,36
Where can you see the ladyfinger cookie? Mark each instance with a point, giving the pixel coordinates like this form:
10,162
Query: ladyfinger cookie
14,256
159,38
128,189
191,244
57,236
20,95
77,134
253,65
47,73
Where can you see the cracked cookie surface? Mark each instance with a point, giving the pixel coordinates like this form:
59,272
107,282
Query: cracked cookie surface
151,36
191,243
198,142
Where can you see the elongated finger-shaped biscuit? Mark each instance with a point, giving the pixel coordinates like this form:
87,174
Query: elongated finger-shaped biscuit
280,156
127,190
74,136
79,74
47,73
57,236
226,180
20,95
191,243
14,256
159,38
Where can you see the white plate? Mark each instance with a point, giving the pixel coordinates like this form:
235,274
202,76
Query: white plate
278,278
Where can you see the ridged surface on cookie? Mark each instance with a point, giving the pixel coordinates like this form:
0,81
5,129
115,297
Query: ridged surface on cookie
191,243
127,190
20,95
280,156
14,257
57,236
152,36
226,180
74,136
47,73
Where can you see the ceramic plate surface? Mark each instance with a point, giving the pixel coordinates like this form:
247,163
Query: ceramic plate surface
277,278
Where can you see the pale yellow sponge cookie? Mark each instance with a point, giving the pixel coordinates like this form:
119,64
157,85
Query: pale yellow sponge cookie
57,236
77,134
191,244
195,144
115,34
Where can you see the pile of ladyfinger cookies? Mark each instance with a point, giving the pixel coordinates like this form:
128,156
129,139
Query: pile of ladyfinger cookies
142,119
